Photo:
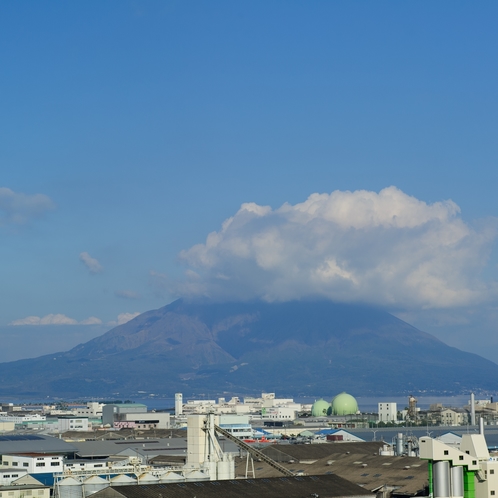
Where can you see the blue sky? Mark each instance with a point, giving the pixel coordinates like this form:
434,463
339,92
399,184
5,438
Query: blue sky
145,125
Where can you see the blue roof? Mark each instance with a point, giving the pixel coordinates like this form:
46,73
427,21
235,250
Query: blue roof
326,432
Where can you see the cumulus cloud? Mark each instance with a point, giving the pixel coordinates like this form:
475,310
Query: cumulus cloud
19,208
91,263
127,294
385,248
57,319
123,318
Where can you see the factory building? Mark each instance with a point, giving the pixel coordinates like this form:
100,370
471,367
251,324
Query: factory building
465,472
388,412
133,416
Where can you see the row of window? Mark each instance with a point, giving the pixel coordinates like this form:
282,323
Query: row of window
27,492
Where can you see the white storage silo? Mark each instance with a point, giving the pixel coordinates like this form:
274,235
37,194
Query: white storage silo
196,475
123,480
441,479
94,484
171,477
147,478
457,482
70,488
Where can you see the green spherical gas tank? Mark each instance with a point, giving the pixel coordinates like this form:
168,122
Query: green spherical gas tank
344,404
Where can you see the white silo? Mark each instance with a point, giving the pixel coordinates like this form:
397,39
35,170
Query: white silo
148,478
171,477
178,404
122,480
70,488
94,484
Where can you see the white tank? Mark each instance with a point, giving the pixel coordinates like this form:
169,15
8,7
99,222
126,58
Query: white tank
147,478
94,484
457,482
70,488
122,480
224,470
171,477
399,444
441,479
197,475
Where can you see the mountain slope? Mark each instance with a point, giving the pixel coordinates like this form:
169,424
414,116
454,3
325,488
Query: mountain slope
296,348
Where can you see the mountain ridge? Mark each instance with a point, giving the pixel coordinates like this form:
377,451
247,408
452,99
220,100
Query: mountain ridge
294,348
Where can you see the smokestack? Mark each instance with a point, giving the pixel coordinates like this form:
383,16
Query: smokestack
481,426
178,404
472,409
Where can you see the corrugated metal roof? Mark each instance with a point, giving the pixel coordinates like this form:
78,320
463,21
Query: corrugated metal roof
34,444
277,487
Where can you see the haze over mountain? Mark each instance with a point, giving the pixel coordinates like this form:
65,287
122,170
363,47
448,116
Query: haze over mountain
294,348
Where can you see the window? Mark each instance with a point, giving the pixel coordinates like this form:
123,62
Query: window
15,475
40,464
474,462
446,452
55,464
492,471
6,475
40,492
15,464
460,457
25,464
492,493
5,463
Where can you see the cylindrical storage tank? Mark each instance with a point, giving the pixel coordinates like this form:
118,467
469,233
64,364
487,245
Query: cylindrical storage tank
457,482
441,473
224,470
171,477
94,484
122,480
399,444
70,488
147,478
197,475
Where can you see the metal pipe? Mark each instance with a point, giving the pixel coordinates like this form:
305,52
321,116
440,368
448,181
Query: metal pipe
472,409
481,426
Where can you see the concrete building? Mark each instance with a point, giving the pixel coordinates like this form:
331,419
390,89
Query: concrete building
8,475
452,417
92,410
72,424
117,412
279,413
388,412
24,488
238,425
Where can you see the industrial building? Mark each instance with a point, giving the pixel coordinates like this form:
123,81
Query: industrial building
464,472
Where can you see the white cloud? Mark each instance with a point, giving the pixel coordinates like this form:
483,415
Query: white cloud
91,263
19,208
57,319
91,320
123,318
127,294
384,248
